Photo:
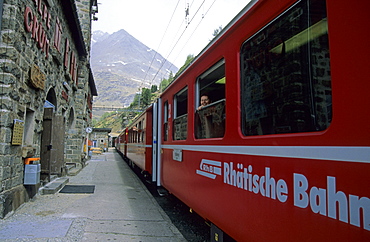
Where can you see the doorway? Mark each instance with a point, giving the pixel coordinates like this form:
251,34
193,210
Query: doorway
52,141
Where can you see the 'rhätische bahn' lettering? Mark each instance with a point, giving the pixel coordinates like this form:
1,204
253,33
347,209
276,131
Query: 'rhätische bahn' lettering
327,201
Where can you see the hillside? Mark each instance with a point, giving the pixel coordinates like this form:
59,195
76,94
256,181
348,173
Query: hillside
122,65
114,120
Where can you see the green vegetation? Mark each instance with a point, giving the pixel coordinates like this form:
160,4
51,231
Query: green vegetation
188,61
144,98
117,120
109,120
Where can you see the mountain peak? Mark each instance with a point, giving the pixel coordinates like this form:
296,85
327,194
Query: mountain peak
122,65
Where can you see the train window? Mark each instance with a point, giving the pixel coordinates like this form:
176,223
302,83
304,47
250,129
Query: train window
165,121
210,114
143,132
285,74
135,134
139,132
180,115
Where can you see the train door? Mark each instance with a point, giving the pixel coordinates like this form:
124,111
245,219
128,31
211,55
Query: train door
125,142
156,142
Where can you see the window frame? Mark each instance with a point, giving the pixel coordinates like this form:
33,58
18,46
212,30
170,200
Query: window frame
209,120
307,79
178,114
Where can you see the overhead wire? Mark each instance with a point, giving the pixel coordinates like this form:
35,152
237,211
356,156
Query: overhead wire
196,12
183,34
192,33
185,20
177,41
155,54
178,30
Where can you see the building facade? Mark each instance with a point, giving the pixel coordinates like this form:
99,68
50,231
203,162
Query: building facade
100,138
46,91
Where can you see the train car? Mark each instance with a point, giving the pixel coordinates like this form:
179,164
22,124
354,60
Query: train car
120,142
135,142
282,150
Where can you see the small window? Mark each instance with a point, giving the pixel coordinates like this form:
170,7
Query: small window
139,136
142,131
285,74
210,111
180,121
165,121
133,134
136,132
29,127
71,119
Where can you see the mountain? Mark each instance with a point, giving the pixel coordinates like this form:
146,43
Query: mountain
122,65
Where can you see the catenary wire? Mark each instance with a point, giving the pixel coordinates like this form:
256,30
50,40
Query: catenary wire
186,22
187,41
155,53
183,34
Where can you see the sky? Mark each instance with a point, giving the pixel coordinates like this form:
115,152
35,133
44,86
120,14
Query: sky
163,25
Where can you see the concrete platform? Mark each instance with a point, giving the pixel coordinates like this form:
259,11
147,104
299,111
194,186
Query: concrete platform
120,209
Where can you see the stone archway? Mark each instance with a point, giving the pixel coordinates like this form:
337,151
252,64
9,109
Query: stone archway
51,97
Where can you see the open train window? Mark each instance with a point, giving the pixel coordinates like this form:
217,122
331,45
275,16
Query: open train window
285,73
180,115
210,95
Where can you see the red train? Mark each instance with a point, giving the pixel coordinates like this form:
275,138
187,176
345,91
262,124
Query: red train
282,151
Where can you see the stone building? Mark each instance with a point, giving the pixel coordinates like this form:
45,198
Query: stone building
100,138
46,91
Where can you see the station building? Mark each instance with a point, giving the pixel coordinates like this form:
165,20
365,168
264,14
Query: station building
100,138
46,92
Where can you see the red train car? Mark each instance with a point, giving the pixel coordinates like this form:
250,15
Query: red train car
135,142
120,142
282,152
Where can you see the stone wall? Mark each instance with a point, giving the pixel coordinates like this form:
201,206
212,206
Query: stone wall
43,56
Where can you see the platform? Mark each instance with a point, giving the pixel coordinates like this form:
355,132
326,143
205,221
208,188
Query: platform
120,209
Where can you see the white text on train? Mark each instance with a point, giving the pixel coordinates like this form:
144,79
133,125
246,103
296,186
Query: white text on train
328,202
242,178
